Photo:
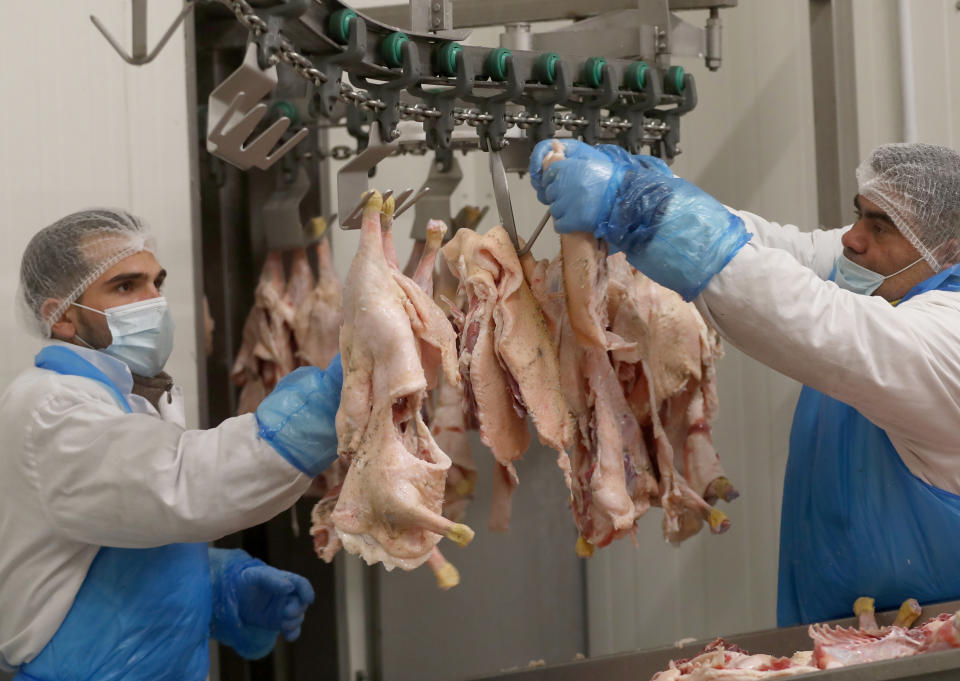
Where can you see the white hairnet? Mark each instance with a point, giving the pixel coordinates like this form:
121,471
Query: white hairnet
62,260
918,186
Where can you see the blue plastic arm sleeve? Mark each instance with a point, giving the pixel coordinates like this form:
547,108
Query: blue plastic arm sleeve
298,418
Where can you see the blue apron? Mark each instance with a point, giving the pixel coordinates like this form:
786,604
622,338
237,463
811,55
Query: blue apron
140,613
855,521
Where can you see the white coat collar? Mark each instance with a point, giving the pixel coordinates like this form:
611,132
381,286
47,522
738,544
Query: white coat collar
116,371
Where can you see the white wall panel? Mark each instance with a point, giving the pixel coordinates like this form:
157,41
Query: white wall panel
81,128
935,30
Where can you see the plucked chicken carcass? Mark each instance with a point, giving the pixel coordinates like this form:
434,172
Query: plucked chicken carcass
639,378
445,416
389,506
508,359
316,324
266,352
667,371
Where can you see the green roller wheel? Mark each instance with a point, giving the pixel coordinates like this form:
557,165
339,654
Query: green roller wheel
495,65
391,49
340,24
673,82
545,67
282,108
445,59
593,71
636,78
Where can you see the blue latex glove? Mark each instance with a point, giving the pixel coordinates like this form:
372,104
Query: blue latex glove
672,231
298,417
582,188
253,602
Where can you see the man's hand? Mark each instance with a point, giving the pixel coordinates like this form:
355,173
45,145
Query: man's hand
269,598
253,602
672,231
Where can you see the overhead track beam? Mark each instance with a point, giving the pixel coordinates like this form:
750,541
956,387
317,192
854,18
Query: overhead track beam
472,14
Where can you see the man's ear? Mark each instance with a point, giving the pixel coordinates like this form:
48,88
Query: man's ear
64,328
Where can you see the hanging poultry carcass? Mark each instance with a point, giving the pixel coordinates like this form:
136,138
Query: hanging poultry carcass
443,412
508,360
668,374
317,322
266,351
449,423
641,439
388,509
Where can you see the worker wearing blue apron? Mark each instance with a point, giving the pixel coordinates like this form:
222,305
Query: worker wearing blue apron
867,317
107,501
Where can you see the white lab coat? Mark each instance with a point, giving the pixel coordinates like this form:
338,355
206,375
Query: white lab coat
899,366
78,473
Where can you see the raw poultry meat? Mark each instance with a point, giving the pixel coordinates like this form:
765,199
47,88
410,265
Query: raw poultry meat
326,542
666,366
722,661
389,506
446,417
423,272
638,375
266,352
300,280
316,324
608,464
508,359
833,647
846,646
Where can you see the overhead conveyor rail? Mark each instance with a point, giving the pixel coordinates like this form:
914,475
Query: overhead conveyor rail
430,77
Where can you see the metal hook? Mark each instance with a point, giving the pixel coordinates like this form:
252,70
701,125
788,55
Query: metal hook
443,182
354,215
281,210
353,178
401,206
533,237
140,56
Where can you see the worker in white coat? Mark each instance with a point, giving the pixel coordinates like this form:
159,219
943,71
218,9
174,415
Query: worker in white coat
867,317
107,501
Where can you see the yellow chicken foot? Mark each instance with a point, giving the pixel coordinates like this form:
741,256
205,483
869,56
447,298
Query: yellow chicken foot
386,231
465,487
374,204
583,548
718,520
387,210
908,613
446,574
863,610
458,533
721,488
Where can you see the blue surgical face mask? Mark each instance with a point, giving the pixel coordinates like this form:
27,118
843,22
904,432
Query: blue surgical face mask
859,279
142,334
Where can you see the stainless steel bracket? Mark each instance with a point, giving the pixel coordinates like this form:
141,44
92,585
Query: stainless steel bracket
281,211
442,184
234,110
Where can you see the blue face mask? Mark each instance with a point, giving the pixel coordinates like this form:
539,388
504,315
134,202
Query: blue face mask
142,334
859,279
